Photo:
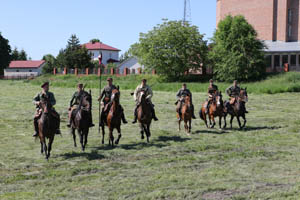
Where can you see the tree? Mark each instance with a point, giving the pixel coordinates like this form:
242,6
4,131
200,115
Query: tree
237,54
18,55
171,48
22,55
49,65
95,40
5,51
74,56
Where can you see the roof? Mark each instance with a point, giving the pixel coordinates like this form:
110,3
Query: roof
279,46
99,46
26,64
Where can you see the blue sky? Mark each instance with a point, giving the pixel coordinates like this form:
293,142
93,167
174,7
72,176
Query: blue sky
41,27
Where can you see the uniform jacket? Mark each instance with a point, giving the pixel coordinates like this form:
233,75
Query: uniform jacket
139,88
38,98
233,91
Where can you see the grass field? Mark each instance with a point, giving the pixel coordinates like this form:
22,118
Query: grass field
260,162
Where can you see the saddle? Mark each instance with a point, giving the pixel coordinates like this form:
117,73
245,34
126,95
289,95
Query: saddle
232,100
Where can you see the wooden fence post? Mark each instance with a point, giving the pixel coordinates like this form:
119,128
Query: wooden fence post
65,71
153,71
86,71
76,71
112,71
54,71
99,71
139,70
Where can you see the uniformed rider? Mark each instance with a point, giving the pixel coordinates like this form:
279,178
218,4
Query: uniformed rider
212,89
143,87
75,101
106,99
36,102
181,94
233,91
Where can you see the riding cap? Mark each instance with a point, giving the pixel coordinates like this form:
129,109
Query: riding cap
144,80
44,84
109,79
79,85
211,80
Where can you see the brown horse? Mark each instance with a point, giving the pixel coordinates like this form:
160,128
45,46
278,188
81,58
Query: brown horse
113,119
216,109
185,115
81,121
238,109
48,125
144,115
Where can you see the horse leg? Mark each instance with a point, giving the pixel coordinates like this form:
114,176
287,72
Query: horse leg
74,137
103,134
231,119
239,121
205,119
81,139
119,135
245,121
190,126
51,139
179,122
111,137
142,131
220,122
214,122
86,133
44,146
225,124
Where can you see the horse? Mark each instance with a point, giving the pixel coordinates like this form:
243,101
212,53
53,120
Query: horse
144,115
216,109
185,115
113,119
48,125
81,120
238,109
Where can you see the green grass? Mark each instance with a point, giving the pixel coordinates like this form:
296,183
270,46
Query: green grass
260,162
281,83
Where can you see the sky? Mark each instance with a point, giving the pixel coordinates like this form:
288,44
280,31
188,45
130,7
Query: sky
43,27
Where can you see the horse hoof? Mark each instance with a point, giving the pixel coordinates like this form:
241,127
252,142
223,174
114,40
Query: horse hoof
117,142
143,137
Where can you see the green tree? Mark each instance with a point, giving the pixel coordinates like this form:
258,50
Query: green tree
171,48
74,56
49,65
95,40
5,51
15,54
22,55
237,54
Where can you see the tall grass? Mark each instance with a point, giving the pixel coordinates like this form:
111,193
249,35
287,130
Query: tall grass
280,83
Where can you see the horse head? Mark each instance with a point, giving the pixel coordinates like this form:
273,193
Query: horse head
86,101
218,98
187,100
115,95
45,104
243,95
143,95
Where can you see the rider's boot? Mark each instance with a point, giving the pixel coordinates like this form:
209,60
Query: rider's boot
153,113
135,115
91,121
123,118
69,123
58,127
193,114
36,127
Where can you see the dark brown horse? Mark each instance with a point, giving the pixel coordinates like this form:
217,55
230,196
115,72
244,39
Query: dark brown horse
113,119
185,115
48,125
238,109
216,109
81,119
144,115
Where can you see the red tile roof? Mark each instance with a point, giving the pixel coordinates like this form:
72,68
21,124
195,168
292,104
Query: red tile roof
99,46
26,64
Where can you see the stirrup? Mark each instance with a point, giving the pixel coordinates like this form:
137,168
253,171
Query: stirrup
134,121
35,134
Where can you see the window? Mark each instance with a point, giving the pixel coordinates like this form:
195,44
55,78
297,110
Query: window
293,60
277,60
30,70
285,59
268,60
290,31
17,70
109,55
290,16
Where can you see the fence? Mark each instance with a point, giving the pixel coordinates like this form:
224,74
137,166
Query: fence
98,71
18,77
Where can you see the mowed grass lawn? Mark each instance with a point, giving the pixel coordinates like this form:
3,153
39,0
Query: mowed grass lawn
260,162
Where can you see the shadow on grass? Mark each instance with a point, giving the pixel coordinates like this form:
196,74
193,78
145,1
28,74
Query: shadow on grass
210,131
94,155
255,128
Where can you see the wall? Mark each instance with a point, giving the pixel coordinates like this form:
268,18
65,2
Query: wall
106,55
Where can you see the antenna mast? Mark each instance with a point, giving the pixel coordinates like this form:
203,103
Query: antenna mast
187,16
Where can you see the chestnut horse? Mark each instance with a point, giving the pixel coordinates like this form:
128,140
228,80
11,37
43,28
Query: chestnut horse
144,115
185,115
82,119
113,119
216,109
238,109
48,125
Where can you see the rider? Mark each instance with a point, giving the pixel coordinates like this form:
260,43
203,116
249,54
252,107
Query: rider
149,94
38,113
74,105
233,92
181,94
106,93
212,89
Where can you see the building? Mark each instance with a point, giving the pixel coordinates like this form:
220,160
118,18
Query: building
24,68
277,24
130,63
109,54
